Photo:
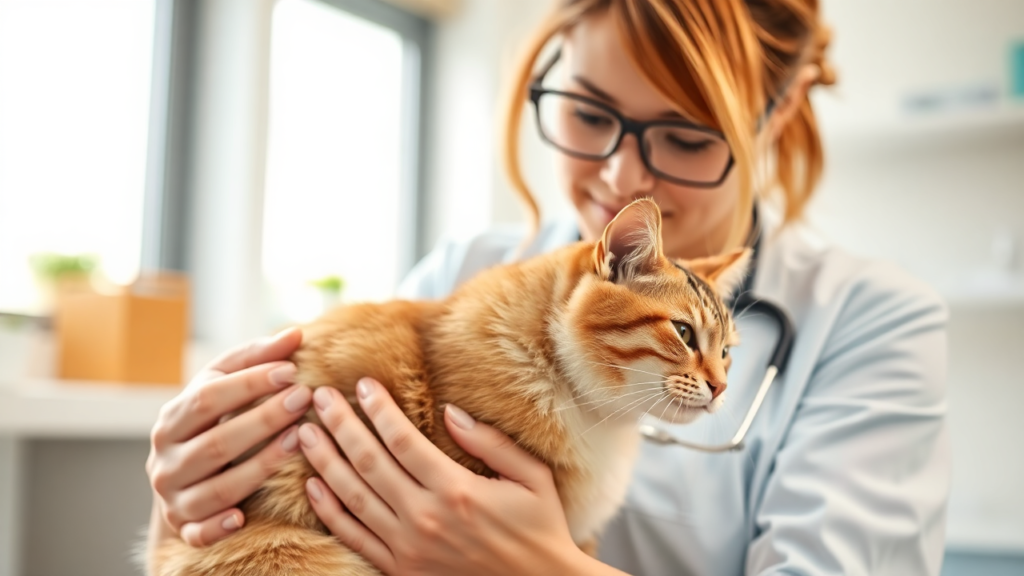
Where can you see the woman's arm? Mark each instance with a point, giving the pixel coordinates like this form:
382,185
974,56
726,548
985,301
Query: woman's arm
420,512
860,483
193,496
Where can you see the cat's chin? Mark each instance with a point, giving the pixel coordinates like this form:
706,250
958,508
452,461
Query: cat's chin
685,415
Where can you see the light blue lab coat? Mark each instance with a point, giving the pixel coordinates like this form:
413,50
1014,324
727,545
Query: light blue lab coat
847,466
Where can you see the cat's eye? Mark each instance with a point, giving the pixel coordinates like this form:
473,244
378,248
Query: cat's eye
725,352
685,332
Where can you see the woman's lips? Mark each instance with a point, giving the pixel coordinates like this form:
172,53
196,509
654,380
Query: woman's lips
606,214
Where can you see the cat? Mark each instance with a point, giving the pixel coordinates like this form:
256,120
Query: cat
563,352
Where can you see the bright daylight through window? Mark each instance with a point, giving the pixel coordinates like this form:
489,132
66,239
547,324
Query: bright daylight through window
74,112
334,159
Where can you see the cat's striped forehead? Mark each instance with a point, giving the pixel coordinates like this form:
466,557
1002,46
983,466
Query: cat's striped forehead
710,302
684,295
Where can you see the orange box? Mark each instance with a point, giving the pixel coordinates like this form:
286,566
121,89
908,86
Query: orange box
136,334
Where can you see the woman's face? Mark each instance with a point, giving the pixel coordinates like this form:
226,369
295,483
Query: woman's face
696,221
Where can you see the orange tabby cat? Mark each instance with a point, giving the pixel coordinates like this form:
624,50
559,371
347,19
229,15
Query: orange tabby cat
562,352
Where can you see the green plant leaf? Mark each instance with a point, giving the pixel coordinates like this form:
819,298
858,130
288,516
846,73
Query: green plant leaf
50,266
333,284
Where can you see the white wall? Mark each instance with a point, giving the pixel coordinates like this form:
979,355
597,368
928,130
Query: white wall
475,50
933,190
928,189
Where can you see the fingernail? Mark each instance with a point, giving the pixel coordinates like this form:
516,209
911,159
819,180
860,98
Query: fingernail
322,398
314,491
230,523
297,400
364,388
460,418
283,375
307,436
291,440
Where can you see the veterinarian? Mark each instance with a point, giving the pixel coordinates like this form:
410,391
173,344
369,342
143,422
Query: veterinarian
846,468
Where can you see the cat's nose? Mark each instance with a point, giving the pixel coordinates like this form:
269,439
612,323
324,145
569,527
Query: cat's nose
716,388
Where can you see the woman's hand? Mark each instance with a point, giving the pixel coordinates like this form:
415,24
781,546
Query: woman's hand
418,511
194,496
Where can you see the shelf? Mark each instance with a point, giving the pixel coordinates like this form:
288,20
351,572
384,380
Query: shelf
55,408
984,289
988,537
886,130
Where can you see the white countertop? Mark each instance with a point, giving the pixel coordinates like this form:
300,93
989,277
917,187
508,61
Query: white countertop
64,408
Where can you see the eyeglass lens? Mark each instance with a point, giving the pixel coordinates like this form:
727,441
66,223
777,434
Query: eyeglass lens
581,128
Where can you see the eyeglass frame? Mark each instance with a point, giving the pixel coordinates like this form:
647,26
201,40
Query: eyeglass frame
630,126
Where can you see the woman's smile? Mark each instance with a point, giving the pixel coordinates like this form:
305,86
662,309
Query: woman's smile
603,213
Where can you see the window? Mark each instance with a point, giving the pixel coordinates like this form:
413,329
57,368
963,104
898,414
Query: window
75,81
340,170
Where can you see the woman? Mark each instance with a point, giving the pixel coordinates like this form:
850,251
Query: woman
702,106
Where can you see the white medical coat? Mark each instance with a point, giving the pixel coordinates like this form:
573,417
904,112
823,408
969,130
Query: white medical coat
846,469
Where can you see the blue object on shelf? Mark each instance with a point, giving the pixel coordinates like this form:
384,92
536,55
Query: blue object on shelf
988,564
1017,69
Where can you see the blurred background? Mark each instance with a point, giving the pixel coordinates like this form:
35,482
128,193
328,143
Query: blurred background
285,155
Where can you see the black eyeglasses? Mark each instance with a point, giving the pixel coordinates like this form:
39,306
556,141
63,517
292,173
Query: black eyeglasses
674,150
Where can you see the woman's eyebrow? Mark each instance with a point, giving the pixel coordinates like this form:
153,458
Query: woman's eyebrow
594,89
590,87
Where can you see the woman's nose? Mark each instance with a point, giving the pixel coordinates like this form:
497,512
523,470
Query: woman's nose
625,173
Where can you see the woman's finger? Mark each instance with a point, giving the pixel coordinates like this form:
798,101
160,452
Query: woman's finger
424,461
212,529
338,474
497,450
347,529
277,347
359,499
211,450
235,484
368,457
200,407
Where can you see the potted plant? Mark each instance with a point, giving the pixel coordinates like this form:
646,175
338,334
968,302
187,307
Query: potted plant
330,288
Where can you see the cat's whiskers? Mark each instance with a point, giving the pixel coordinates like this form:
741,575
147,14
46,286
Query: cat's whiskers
736,316
603,401
676,413
622,409
655,404
627,368
747,315
663,381
604,389
662,415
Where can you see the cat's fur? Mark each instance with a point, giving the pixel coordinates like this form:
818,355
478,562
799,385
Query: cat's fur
562,352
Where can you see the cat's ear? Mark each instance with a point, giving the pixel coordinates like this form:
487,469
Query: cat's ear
725,272
631,243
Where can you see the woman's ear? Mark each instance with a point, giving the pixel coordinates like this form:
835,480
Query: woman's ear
788,103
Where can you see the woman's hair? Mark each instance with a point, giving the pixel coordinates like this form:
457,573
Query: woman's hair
720,62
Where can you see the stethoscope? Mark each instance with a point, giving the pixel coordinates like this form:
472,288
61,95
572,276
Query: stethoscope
776,364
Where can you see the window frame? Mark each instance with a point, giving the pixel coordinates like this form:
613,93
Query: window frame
415,32
174,77
173,117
